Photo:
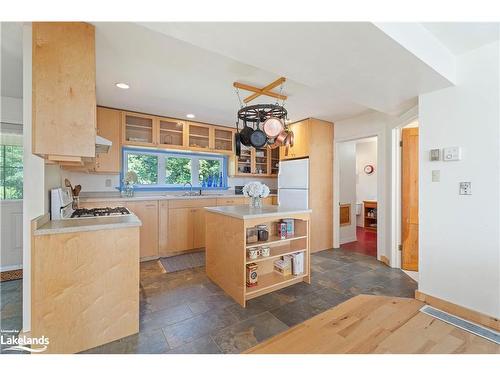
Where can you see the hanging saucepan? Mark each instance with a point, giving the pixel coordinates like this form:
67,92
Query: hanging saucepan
258,138
272,127
245,134
237,140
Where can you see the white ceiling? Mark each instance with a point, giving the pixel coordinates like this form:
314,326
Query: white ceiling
460,37
334,70
12,59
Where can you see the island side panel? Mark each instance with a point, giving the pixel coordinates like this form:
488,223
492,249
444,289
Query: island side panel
85,288
225,254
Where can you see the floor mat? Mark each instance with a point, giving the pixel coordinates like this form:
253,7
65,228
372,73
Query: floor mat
183,262
11,275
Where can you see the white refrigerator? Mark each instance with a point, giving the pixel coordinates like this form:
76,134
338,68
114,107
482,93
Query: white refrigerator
293,183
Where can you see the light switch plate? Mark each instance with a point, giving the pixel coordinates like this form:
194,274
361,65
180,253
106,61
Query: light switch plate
435,154
436,175
452,153
107,182
465,188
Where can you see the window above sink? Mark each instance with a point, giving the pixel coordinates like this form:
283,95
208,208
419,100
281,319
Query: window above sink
166,170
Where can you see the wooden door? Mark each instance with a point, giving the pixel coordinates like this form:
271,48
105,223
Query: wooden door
198,225
180,229
147,212
409,199
108,126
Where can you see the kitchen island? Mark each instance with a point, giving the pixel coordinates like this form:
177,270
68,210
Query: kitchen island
227,248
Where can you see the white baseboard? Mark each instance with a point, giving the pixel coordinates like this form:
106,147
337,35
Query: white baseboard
11,268
347,240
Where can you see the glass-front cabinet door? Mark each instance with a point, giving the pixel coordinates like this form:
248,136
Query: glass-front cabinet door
139,129
223,139
261,161
244,161
199,136
275,161
171,133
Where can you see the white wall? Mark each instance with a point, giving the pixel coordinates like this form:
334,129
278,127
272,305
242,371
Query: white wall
459,235
366,184
347,190
11,110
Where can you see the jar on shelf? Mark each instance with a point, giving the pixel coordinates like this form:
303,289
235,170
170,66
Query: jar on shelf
262,232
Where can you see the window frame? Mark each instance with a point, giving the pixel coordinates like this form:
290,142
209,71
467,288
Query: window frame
162,156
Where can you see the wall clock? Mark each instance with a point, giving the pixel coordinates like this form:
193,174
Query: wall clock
369,169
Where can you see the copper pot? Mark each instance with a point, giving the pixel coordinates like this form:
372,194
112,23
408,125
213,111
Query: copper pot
273,126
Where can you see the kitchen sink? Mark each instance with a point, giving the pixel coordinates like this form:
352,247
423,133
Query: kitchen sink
195,194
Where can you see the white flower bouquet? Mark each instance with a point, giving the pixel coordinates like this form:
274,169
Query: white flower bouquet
256,190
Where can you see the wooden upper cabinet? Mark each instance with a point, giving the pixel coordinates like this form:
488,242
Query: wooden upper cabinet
300,148
63,96
172,133
274,161
139,130
223,140
108,126
200,136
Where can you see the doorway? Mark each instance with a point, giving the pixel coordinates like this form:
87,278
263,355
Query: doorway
358,191
407,177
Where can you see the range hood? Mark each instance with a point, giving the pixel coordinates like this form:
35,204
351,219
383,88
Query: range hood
102,145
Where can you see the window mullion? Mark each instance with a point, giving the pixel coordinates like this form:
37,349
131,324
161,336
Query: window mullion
161,169
195,168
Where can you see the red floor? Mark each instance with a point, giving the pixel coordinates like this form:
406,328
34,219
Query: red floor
366,243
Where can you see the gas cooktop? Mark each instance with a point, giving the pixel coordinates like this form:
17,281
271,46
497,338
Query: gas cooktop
104,211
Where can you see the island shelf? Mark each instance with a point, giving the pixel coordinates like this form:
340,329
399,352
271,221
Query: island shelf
226,249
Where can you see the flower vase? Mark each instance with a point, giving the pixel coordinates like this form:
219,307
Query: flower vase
255,202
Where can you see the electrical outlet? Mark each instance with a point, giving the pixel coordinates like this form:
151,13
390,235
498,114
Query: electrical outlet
107,182
466,188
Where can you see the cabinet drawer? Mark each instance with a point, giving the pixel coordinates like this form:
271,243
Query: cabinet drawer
188,203
231,201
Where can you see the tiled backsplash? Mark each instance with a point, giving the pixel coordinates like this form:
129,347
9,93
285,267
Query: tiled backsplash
98,182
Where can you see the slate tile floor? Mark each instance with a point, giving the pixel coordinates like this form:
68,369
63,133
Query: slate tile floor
184,312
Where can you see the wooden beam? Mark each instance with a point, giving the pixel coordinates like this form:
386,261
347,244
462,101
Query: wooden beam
263,91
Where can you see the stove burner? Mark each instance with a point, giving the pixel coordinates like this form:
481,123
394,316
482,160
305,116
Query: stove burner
105,211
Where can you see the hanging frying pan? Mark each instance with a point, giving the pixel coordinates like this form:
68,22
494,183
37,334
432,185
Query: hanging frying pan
237,143
245,134
272,127
258,138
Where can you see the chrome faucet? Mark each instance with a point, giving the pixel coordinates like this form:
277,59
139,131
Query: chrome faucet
190,185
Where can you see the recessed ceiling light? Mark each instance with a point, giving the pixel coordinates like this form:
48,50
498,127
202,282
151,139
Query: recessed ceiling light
190,115
122,85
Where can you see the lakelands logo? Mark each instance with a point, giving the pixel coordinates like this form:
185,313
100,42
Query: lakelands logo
23,343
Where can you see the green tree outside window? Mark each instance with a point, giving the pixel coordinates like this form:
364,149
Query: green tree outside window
11,172
146,167
177,171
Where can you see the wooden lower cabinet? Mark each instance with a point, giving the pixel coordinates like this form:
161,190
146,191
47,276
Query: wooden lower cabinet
198,225
170,227
147,212
180,229
163,228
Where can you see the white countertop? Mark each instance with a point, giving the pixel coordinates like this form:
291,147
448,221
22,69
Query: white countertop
246,212
159,197
88,224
